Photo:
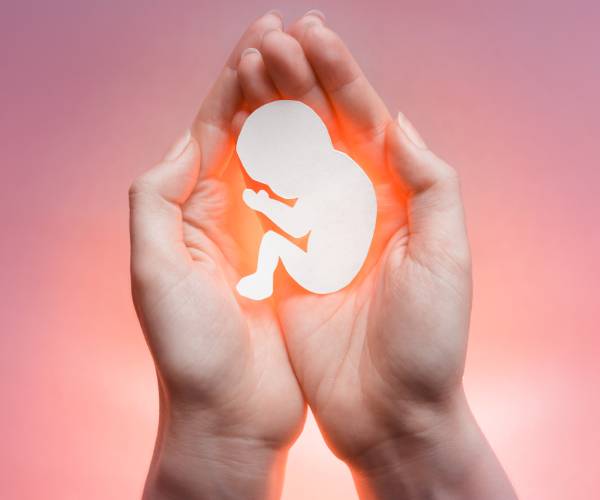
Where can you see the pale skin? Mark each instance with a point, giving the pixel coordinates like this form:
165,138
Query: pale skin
230,405
380,363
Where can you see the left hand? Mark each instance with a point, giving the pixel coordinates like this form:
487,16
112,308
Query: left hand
381,361
230,406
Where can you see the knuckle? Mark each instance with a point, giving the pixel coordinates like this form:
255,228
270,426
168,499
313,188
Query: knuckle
133,190
445,175
141,185
448,172
138,185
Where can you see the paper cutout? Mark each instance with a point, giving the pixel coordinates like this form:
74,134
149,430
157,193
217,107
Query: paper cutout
285,145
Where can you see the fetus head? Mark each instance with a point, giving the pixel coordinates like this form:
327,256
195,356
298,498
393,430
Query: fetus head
281,144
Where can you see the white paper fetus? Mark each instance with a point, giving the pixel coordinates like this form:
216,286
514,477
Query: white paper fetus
285,145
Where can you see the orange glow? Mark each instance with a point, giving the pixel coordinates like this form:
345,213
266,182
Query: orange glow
504,91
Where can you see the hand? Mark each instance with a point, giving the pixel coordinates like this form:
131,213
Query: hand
255,200
381,362
230,405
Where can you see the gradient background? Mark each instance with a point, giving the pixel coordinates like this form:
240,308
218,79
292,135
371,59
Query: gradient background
92,93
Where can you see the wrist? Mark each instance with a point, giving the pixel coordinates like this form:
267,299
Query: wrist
192,459
441,454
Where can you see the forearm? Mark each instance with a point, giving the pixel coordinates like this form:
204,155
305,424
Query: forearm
191,461
451,460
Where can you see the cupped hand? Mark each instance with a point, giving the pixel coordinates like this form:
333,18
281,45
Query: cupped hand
230,404
381,362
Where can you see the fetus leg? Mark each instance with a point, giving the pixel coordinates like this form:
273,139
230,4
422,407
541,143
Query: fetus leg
273,247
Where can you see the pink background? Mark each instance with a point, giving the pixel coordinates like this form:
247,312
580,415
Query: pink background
92,93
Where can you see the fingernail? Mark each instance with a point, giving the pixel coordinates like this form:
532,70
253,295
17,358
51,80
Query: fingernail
315,13
410,131
179,147
268,32
275,12
249,50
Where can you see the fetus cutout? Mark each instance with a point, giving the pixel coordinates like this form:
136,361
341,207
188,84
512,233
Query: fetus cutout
285,145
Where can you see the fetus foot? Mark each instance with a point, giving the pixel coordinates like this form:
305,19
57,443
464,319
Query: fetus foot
255,286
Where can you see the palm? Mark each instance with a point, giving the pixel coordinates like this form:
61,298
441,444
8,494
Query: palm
364,350
211,351
381,339
332,349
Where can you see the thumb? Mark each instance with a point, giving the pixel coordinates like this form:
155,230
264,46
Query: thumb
155,200
435,210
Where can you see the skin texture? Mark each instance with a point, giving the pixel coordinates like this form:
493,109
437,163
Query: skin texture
230,405
380,363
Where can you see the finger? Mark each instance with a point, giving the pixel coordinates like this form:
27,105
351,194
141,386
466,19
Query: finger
237,122
361,111
435,210
212,125
292,74
410,131
257,86
416,167
155,200
298,28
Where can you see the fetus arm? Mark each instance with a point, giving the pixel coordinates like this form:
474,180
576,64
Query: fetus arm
293,220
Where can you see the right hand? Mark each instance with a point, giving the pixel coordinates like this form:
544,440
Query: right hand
230,405
381,361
